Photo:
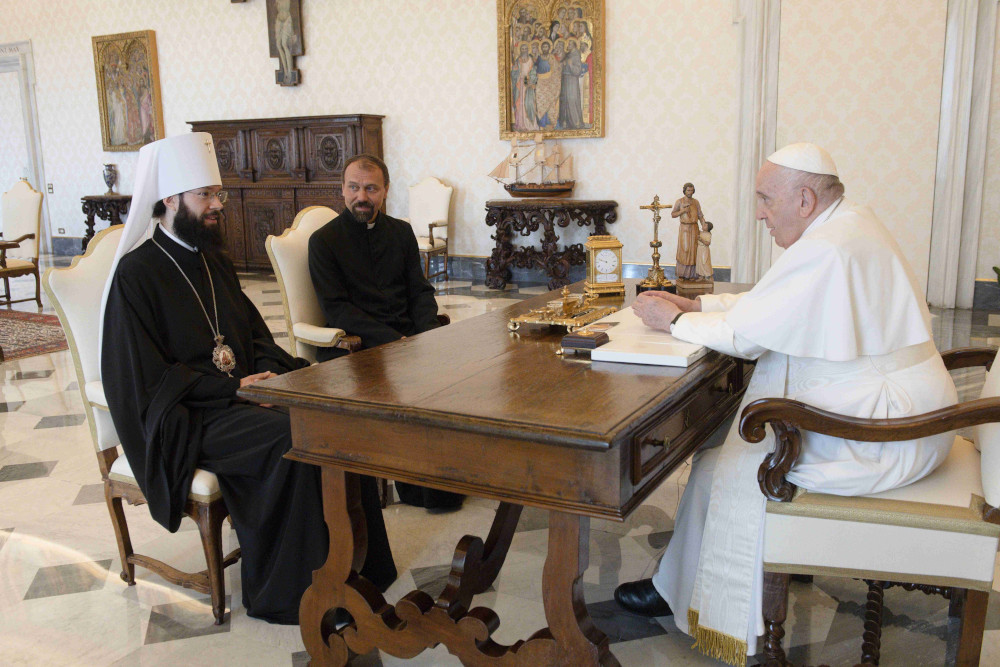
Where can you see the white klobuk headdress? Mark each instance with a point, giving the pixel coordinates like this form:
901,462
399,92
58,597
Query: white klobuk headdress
809,158
166,167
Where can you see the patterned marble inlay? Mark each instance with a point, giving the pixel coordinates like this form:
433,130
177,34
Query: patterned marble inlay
90,493
19,471
67,579
31,375
11,406
56,421
183,620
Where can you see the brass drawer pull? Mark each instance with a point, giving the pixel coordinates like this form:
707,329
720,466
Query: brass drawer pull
653,442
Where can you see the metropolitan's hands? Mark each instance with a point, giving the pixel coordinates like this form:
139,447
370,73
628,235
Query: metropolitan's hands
658,309
257,377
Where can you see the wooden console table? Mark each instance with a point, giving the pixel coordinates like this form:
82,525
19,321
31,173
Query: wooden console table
503,418
111,207
524,216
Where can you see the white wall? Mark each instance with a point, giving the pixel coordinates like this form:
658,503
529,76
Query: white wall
863,79
430,67
989,230
859,76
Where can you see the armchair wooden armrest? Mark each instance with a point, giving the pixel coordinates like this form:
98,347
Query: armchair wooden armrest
350,343
430,229
969,357
788,417
443,319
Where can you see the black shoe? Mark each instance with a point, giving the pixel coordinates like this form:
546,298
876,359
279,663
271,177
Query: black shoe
641,597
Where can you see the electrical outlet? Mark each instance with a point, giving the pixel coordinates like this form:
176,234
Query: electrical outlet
49,188
61,230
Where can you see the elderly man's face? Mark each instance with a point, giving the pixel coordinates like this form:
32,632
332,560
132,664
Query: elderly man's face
779,204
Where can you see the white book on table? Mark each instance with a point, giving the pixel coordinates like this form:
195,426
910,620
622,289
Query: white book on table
632,342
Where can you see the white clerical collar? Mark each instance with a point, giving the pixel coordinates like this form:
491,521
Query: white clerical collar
824,216
174,238
370,225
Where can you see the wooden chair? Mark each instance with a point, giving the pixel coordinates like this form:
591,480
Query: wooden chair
430,200
307,330
289,255
76,295
22,225
939,535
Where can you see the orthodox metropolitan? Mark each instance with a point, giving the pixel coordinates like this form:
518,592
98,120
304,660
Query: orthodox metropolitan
179,339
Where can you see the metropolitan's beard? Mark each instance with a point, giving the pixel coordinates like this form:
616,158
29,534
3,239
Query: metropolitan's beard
194,230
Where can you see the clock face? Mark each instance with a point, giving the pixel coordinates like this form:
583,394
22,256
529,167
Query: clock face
606,261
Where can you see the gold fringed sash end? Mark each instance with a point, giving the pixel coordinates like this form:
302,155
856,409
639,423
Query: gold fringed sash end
717,644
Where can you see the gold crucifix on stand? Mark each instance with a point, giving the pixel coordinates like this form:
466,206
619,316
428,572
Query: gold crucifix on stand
656,280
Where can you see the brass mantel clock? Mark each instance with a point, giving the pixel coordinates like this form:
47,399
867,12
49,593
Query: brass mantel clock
604,266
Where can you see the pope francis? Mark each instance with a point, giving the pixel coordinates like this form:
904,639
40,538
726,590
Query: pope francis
838,322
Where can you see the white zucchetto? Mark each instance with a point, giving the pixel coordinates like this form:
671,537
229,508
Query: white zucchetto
805,157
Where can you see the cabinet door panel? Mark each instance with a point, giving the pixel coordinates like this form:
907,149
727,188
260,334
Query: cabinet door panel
275,153
267,212
331,197
326,148
233,229
230,151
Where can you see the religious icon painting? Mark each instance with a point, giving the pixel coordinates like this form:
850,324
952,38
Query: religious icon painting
551,67
128,90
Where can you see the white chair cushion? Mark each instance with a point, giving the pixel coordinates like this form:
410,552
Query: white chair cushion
18,263
204,484
95,393
314,335
430,200
424,243
987,438
930,531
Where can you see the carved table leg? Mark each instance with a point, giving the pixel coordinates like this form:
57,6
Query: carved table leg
497,271
578,641
345,519
872,638
89,232
775,609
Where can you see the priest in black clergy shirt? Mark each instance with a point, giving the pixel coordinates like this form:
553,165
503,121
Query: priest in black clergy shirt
365,268
179,339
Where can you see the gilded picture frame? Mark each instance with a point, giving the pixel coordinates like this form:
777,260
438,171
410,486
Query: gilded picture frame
542,45
128,90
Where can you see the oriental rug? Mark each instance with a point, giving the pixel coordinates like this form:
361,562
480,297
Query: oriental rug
28,334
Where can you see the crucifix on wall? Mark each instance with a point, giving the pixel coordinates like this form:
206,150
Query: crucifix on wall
284,35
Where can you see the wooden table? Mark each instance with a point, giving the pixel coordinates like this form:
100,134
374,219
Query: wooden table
473,408
111,207
522,217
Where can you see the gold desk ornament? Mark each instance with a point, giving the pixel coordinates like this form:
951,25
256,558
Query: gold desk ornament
604,266
571,311
655,280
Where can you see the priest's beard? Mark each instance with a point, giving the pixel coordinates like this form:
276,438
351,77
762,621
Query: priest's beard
194,230
363,212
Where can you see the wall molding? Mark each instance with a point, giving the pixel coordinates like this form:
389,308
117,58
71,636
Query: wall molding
16,57
760,22
961,156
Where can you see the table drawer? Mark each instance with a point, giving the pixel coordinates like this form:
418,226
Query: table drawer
664,435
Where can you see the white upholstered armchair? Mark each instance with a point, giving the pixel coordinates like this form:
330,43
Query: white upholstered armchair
939,534
76,294
22,226
289,254
430,200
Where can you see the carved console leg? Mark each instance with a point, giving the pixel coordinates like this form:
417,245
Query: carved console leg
775,609
578,641
970,643
497,266
872,637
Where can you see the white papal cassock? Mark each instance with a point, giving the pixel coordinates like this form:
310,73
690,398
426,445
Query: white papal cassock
838,323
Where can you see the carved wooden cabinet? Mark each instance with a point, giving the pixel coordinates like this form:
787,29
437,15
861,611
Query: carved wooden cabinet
275,167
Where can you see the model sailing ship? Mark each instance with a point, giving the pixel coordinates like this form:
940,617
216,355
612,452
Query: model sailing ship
543,175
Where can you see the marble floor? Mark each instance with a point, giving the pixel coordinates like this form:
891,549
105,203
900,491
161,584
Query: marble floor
62,601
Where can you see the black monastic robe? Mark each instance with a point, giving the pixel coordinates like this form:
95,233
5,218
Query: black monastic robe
175,411
370,284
